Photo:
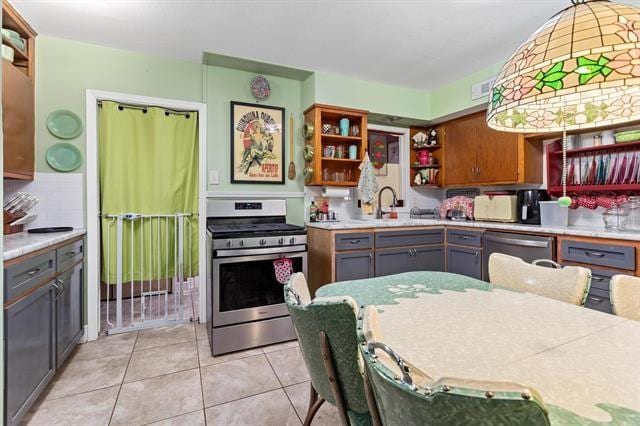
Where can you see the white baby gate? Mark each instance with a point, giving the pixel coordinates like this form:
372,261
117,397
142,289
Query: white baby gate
154,301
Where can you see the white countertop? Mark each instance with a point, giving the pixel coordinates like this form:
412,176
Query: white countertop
22,243
579,231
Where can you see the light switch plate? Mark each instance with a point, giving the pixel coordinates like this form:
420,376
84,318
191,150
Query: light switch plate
214,177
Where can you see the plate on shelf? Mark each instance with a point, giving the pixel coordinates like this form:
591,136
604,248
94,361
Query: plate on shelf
64,124
64,157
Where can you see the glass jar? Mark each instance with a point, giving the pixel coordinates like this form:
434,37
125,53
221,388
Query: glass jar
633,208
615,218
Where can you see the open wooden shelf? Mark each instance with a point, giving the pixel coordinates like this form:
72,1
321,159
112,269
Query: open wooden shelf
415,166
344,160
319,115
434,151
17,52
600,149
557,189
418,148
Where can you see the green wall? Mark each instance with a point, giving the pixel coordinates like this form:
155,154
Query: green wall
456,96
375,97
223,85
65,69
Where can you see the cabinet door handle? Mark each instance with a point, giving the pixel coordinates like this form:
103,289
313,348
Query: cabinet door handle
354,241
593,254
370,257
70,253
32,272
596,278
58,289
410,252
596,299
61,283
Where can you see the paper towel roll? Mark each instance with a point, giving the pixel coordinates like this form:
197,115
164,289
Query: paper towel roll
336,192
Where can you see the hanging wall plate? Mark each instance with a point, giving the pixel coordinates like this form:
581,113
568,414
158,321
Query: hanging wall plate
64,124
308,129
260,87
64,157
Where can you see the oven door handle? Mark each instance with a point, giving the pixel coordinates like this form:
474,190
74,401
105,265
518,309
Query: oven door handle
258,251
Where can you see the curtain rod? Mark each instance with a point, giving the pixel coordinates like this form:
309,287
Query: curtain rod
143,108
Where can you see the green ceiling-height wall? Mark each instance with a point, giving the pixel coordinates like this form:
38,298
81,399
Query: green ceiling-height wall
65,69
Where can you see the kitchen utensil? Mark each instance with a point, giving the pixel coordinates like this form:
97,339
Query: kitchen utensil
308,129
307,152
307,172
64,124
64,157
24,220
292,167
50,230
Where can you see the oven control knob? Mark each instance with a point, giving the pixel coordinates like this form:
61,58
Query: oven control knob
292,240
263,242
228,243
281,241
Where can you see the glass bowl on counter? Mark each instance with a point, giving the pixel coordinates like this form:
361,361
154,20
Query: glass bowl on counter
632,206
616,218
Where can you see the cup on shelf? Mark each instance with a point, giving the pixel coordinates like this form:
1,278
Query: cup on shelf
348,175
329,151
344,127
340,151
326,175
355,130
353,152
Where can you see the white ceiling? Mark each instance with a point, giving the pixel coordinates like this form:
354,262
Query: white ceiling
420,43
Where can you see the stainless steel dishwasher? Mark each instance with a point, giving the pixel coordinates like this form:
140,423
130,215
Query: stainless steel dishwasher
526,247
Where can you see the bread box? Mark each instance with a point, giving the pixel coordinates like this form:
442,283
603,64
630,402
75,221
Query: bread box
495,208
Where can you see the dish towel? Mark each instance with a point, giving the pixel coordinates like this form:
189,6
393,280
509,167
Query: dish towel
367,185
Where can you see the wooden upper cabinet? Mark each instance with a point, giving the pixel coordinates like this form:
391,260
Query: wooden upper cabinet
475,154
18,100
460,151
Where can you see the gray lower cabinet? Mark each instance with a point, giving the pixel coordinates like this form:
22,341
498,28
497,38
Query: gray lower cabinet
408,259
354,265
30,353
464,261
68,311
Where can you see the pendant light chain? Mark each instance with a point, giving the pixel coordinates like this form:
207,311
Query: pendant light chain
564,163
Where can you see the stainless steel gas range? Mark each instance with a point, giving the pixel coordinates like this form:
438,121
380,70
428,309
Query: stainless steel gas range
246,302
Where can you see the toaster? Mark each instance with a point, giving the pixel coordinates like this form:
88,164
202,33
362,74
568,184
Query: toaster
496,208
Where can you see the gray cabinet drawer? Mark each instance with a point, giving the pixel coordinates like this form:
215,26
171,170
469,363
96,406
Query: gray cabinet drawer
69,255
409,238
598,303
407,259
464,237
465,261
26,275
612,256
600,279
354,241
354,266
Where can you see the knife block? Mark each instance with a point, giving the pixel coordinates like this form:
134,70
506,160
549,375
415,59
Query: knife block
10,217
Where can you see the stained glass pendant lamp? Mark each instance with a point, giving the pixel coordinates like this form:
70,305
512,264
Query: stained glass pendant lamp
580,70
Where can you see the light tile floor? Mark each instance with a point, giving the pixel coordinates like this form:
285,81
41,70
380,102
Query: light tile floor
167,376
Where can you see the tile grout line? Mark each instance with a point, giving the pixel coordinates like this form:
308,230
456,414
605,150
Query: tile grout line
172,417
283,389
204,413
115,404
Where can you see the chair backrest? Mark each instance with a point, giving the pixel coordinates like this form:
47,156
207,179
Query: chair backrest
336,317
625,296
404,395
569,284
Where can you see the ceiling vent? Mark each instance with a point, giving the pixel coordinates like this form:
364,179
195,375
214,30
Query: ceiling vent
481,89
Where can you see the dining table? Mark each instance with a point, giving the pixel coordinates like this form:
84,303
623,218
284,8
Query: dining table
585,364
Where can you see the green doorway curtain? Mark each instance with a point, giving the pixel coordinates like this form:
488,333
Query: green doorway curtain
148,165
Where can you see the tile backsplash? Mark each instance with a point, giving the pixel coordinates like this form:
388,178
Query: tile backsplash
60,195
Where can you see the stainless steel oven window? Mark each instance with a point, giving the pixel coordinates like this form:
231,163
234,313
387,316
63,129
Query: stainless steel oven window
262,269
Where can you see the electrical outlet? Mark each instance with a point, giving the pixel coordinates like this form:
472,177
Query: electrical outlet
214,177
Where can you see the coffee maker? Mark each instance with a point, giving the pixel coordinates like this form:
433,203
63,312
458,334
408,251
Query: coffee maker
528,205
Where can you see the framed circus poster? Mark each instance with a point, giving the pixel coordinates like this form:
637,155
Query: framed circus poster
257,143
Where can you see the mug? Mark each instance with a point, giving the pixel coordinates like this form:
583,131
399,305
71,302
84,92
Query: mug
423,157
344,127
355,130
329,151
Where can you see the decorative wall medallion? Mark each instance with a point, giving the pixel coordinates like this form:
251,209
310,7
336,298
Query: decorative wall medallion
260,88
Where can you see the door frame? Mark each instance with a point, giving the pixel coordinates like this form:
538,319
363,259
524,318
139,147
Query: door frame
403,139
92,327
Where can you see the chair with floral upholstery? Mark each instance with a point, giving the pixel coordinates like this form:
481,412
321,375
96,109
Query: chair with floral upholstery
569,284
625,296
326,330
400,394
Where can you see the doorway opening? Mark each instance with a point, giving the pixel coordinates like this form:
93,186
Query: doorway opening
144,201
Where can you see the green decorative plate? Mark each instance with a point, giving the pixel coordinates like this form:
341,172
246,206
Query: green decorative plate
64,157
64,124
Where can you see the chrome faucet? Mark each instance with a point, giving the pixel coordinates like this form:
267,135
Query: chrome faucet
379,212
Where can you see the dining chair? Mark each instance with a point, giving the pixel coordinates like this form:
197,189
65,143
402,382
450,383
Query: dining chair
400,394
568,284
625,296
326,330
